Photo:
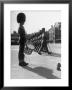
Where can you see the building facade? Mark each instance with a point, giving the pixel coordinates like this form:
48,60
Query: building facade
55,33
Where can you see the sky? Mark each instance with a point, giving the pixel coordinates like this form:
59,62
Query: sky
35,20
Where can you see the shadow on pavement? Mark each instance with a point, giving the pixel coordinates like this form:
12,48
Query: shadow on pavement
42,71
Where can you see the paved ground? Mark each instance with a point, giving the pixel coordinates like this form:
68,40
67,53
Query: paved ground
40,66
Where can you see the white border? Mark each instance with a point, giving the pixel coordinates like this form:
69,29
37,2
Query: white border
64,50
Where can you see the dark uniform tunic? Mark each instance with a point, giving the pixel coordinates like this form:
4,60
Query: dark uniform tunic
22,42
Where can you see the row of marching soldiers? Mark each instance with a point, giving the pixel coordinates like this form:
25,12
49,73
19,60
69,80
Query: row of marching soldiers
21,18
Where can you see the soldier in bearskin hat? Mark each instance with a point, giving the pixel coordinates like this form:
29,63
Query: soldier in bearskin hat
21,18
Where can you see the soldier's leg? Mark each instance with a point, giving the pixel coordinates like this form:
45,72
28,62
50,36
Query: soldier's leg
22,56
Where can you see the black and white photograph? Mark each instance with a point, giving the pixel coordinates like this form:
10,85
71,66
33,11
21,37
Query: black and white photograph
35,42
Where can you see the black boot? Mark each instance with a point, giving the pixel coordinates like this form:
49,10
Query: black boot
49,52
23,64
